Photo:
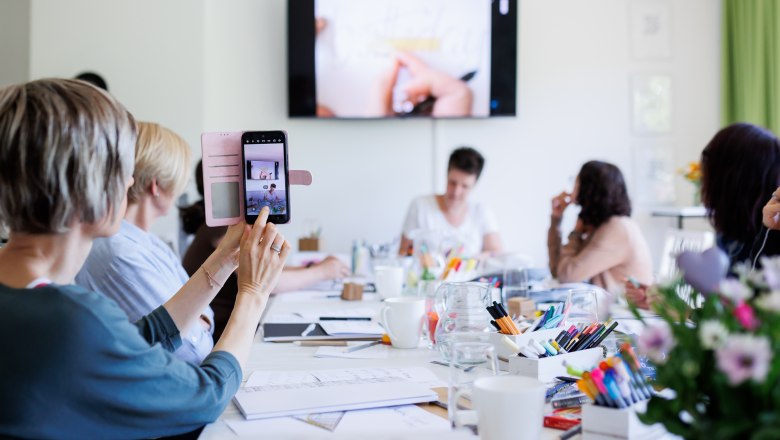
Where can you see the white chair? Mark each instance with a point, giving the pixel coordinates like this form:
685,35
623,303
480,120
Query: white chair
678,241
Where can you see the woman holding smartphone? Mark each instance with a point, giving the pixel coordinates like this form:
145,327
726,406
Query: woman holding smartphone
70,356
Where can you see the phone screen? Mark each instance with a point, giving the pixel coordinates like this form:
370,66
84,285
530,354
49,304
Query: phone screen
266,175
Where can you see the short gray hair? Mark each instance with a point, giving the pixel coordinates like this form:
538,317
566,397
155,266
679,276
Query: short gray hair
66,153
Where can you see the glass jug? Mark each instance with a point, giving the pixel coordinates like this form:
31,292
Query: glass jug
461,308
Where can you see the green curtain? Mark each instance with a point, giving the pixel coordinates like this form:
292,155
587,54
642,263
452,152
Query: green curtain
751,62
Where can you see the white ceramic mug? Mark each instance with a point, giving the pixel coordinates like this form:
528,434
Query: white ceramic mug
508,407
389,281
402,318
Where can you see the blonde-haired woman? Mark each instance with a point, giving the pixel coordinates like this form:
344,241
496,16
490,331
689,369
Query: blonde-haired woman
134,267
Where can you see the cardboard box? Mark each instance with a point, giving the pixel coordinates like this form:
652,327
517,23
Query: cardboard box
518,306
352,292
309,244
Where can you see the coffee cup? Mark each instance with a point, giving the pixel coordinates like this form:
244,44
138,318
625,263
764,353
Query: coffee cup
402,318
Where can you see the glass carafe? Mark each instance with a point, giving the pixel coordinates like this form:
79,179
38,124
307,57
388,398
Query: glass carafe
461,308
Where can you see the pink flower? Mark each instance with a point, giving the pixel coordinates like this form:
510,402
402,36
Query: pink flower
655,342
745,315
744,357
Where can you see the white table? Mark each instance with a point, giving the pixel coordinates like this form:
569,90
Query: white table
287,356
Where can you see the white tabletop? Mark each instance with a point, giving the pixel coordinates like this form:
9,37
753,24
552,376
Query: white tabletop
287,356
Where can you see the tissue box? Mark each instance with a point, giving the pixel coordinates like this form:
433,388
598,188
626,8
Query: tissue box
603,423
547,368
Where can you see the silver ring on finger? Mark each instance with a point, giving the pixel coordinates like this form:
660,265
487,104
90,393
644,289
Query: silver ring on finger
276,248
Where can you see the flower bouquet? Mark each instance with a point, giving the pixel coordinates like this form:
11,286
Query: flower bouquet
718,357
693,174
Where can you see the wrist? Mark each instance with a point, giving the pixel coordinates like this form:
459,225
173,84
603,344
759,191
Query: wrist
555,220
221,260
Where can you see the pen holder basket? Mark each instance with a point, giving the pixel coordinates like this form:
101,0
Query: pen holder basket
308,244
604,423
547,368
504,352
352,292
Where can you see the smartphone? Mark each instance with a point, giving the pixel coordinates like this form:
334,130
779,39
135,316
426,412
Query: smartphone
266,175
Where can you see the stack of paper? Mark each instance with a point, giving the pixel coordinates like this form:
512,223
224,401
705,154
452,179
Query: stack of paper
280,393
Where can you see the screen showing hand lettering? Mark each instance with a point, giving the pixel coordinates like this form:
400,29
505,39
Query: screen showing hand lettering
265,178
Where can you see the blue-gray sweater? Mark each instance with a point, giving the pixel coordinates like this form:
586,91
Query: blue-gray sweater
72,366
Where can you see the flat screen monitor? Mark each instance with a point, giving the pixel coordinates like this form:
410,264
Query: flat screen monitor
402,58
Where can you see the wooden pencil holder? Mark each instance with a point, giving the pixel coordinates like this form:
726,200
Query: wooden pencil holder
309,244
352,292
604,423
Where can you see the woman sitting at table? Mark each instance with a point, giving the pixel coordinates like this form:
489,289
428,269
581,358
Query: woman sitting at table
452,212
73,365
740,169
606,246
134,267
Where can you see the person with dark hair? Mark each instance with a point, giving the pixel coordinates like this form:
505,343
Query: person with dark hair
94,79
740,169
452,213
606,246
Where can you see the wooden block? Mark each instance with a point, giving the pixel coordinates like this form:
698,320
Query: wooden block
309,244
352,292
521,306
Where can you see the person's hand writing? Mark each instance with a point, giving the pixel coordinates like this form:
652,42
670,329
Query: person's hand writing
332,268
453,96
771,212
261,259
559,204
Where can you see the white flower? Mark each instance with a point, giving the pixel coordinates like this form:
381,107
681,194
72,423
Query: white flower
734,290
770,301
712,334
744,357
771,267
655,342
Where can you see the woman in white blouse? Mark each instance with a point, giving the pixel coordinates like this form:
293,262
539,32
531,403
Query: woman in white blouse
452,213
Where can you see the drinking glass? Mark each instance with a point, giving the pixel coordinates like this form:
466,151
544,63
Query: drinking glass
461,308
470,361
582,307
427,289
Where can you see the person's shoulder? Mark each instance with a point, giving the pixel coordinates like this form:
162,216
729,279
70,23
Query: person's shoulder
79,305
620,224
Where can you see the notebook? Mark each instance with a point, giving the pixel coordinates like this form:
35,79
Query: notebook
287,332
267,402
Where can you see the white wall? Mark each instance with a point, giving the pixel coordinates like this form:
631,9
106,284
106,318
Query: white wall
14,41
221,65
149,52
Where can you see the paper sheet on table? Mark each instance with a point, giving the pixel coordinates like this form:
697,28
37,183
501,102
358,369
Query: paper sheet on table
336,328
407,419
298,379
375,352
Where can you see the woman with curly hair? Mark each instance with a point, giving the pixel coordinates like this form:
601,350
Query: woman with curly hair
606,246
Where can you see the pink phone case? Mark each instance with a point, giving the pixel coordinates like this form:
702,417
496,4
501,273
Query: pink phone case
223,183
223,177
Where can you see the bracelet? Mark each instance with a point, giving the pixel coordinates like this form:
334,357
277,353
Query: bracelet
211,280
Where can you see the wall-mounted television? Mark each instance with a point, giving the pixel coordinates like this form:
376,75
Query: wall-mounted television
402,58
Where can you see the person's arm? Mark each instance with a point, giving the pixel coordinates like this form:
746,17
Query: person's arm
187,305
554,245
135,389
258,272
297,278
582,261
411,222
491,244
771,212
559,205
491,239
